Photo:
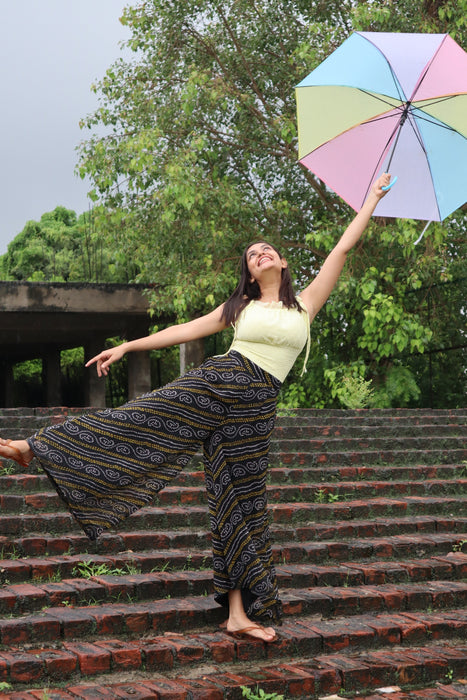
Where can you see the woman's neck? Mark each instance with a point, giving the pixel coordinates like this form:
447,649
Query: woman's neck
269,293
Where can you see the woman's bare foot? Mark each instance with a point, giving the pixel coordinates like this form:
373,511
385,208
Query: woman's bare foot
239,625
17,450
252,630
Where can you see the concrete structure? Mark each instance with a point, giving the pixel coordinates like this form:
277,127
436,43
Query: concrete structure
38,320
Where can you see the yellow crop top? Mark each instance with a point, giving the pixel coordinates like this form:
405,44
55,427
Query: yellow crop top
272,336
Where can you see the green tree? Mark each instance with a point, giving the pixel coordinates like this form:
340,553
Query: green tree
62,247
200,158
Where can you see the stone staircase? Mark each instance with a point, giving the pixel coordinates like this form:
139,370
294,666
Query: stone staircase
369,519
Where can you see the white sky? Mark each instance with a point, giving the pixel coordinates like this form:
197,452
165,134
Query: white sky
51,51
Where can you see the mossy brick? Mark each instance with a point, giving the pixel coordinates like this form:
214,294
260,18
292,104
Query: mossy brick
299,682
133,691
167,689
125,655
387,630
59,664
43,628
318,601
116,586
186,651
434,666
143,539
92,692
293,605
404,670
158,654
60,593
162,615
92,659
220,647
231,683
73,622
301,637
394,598
86,590
41,501
354,673
14,631
23,667
4,668
327,679
7,601
136,619
14,570
458,562
108,619
412,626
201,689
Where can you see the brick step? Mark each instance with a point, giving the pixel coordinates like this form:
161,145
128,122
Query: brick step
305,431
297,677
292,427
437,690
140,540
425,458
317,635
372,444
174,517
370,457
322,552
78,580
33,482
317,493
385,414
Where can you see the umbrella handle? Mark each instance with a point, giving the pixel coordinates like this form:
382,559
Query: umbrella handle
388,187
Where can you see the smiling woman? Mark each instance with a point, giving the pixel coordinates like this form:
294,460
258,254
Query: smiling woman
107,464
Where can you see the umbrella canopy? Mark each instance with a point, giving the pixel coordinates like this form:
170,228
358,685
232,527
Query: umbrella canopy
386,102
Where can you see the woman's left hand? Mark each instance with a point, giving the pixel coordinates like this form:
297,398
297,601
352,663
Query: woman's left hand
382,181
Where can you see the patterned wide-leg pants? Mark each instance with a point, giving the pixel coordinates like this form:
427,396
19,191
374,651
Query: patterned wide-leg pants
107,464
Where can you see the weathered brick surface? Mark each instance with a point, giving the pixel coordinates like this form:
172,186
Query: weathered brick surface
369,521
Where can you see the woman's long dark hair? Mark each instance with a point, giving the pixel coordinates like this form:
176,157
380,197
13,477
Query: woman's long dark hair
247,290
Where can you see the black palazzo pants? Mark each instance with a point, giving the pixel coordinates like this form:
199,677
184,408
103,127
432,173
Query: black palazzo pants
109,463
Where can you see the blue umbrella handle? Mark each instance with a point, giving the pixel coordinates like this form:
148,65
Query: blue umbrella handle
388,187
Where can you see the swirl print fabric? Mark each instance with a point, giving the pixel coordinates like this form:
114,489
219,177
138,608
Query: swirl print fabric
109,463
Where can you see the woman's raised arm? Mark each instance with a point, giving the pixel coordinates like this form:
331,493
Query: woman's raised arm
173,335
318,291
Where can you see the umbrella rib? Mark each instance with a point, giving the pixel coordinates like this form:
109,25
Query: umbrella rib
422,116
381,158
416,132
381,99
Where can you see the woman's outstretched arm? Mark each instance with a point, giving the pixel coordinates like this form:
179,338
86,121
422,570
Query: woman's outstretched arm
318,291
174,335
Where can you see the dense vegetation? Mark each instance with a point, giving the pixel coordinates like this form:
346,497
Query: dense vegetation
199,158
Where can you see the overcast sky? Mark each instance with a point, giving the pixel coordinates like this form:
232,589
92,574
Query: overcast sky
51,51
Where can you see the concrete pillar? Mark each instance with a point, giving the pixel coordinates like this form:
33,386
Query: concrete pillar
94,390
52,377
139,373
191,354
6,384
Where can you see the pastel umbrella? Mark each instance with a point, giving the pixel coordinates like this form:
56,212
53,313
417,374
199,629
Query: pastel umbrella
387,102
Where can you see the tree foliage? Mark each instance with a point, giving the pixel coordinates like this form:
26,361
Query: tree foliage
200,157
62,247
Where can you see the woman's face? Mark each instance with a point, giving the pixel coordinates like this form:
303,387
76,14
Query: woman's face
262,256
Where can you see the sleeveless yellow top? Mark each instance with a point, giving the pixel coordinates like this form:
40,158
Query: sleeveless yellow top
272,336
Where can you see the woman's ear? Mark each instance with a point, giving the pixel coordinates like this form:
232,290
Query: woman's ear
284,263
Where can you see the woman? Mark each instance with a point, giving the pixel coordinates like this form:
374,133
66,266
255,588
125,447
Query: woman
107,464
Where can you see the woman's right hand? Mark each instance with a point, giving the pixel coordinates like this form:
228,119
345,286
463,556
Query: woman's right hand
105,358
